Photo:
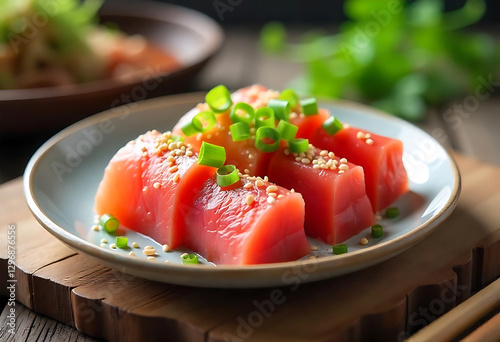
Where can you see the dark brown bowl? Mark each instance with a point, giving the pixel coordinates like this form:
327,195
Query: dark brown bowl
190,36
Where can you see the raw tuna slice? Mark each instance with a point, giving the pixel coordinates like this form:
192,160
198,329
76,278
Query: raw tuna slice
229,227
149,185
337,207
381,158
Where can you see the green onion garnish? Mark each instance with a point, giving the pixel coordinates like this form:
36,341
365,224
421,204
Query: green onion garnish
264,117
377,231
332,125
189,259
204,121
227,175
290,96
211,155
240,131
177,138
109,223
281,108
246,109
286,130
219,99
189,129
392,212
121,242
298,145
309,106
340,248
263,135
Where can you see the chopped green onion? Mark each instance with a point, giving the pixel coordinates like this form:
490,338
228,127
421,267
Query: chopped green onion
332,125
204,121
189,259
267,133
286,130
121,242
340,248
298,145
227,175
377,231
281,108
189,129
219,99
290,96
177,138
211,155
109,223
392,212
264,117
240,131
242,107
309,106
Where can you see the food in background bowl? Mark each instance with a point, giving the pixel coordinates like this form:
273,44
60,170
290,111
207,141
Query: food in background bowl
54,43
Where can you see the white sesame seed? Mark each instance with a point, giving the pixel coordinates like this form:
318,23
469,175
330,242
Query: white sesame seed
286,151
171,159
104,241
177,178
135,244
323,153
302,155
112,246
259,183
323,166
189,153
266,179
156,185
317,167
103,245
271,200
329,163
131,253
95,228
311,257
173,169
272,188
344,167
273,194
149,251
250,156
343,161
341,171
369,141
180,153
292,191
172,146
248,186
180,144
150,258
167,261
363,241
314,248
346,125
165,248
331,155
360,135
247,171
305,161
368,136
249,200
298,159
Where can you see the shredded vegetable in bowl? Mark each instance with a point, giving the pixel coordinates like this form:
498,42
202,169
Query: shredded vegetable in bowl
47,43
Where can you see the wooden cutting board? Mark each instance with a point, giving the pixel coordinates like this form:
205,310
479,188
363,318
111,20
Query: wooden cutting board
385,302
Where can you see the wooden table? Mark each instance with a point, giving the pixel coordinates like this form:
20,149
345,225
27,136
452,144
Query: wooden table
383,302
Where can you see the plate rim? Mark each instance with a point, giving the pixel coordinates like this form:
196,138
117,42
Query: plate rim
374,254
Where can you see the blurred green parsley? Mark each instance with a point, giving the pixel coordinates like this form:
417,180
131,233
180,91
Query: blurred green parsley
398,57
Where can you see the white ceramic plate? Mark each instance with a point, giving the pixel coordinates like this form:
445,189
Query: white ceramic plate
61,180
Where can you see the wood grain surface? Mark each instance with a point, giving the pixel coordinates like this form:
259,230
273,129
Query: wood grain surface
386,302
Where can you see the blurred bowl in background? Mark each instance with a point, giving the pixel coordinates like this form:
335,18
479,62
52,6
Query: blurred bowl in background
191,37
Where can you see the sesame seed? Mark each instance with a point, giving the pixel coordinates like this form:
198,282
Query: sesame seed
112,246
331,155
281,196
302,155
209,136
180,144
343,161
131,253
165,248
95,228
271,200
135,244
247,171
156,185
172,146
149,247
180,153
341,171
173,169
150,258
104,241
184,255
149,252
360,135
378,217
324,166
177,178
298,159
311,257
259,183
171,159
292,191
329,163
369,141
305,161
368,136
144,149
272,188
167,261
103,245
323,153
266,179
301,115
248,186
315,161
273,194
250,156
363,241
346,125
286,151
317,167
333,167
293,115
344,167
249,200
172,153
314,248
189,153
